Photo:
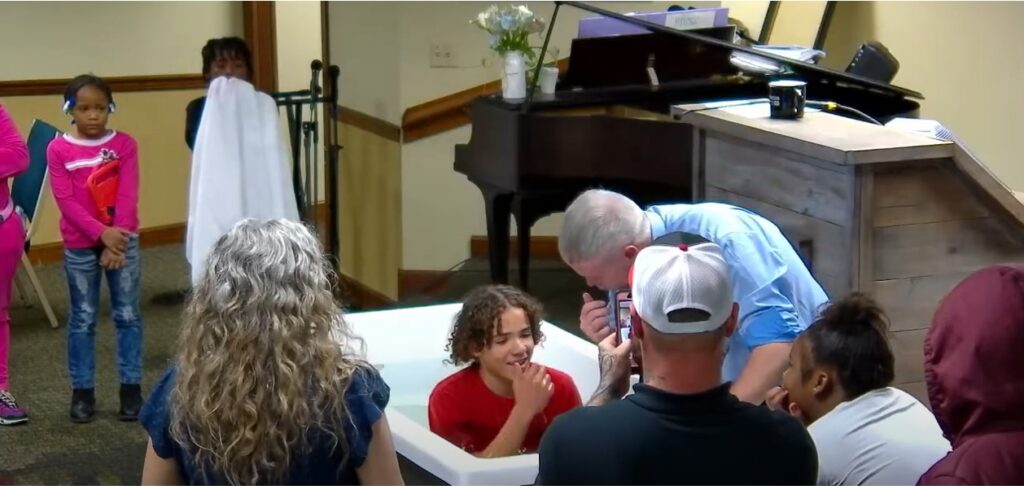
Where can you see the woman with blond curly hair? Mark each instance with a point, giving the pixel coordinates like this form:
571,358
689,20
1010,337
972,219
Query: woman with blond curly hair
267,386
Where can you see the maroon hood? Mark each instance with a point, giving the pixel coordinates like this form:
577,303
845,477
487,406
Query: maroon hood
974,355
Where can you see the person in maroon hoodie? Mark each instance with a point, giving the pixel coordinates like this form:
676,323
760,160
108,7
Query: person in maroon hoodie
973,360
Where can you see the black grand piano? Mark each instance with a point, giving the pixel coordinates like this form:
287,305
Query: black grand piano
601,126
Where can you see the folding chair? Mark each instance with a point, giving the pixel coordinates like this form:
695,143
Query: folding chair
27,193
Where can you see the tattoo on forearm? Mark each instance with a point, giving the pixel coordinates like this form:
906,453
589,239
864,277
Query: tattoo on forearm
606,363
601,396
604,392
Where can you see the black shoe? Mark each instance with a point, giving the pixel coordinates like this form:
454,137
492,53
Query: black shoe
131,403
172,298
83,405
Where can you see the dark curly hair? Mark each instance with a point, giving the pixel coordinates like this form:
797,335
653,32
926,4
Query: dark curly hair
227,47
850,337
482,307
83,80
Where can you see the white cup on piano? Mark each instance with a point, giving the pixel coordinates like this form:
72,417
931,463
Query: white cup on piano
548,79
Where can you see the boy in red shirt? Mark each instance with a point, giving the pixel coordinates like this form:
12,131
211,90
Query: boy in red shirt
501,403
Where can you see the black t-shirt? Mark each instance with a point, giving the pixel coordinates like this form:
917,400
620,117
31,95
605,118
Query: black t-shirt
193,114
655,437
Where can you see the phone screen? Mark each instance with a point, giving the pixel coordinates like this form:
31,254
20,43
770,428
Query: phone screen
623,323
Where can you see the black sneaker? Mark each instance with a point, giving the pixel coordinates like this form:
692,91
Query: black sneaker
172,298
131,403
83,405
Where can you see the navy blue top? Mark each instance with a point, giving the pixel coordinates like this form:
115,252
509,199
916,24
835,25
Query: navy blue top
193,115
365,400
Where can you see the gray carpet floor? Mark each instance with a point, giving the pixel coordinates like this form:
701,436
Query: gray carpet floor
52,450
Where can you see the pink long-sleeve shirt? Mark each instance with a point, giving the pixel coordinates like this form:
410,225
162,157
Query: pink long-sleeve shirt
71,162
13,156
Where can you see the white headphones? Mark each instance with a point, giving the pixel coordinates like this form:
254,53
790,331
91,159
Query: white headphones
70,103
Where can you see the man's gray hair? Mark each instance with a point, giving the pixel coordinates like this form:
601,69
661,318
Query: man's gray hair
599,221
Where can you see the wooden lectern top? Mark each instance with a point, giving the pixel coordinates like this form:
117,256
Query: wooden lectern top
844,141
820,135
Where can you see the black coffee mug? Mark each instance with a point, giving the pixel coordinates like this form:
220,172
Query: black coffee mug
786,99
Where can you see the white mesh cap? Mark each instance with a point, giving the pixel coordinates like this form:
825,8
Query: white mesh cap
665,279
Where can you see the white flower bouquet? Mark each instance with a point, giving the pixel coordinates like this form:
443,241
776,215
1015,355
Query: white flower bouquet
510,29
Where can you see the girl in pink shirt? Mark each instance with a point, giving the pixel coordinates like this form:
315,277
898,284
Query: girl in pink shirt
13,161
100,236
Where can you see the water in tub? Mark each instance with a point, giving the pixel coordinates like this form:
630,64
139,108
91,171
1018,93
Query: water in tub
411,383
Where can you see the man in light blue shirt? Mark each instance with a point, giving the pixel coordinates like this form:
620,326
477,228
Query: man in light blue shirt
778,298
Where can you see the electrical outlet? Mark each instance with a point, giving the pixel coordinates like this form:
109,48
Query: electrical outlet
443,54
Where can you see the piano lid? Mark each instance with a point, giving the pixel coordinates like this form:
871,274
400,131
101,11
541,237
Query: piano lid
808,72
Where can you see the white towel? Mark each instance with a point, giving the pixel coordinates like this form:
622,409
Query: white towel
240,167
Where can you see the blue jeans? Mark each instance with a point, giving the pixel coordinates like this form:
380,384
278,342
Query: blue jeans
83,270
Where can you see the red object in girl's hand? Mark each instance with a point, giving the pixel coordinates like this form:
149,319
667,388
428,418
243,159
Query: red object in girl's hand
102,186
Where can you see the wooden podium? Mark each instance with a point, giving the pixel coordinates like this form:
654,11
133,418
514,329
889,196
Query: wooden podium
897,215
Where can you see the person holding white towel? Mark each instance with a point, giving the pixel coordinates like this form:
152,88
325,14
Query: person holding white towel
240,167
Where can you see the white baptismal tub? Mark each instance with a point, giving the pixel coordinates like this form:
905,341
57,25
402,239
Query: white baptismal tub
407,346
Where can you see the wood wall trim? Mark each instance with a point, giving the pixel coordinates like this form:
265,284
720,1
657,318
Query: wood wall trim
169,234
325,37
261,35
372,124
330,136
413,284
442,114
449,112
148,238
354,294
540,247
426,284
119,84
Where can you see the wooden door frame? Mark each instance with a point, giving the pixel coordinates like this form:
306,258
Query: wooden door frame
261,34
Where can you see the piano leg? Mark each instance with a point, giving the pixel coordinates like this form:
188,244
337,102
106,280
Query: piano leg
498,206
523,235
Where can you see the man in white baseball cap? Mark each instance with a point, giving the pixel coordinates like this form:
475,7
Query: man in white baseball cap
681,425
603,231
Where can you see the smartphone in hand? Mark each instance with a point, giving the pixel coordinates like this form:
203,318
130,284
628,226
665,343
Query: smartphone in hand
624,322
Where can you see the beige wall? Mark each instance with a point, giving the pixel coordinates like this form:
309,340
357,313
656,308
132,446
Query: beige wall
433,193
421,23
364,44
40,40
369,176
157,38
383,52
157,121
370,187
797,22
962,56
298,44
117,39
749,12
956,53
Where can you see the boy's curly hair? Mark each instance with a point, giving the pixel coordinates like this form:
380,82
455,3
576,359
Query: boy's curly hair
473,328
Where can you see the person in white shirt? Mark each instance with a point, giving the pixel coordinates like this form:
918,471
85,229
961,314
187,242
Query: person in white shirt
837,383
